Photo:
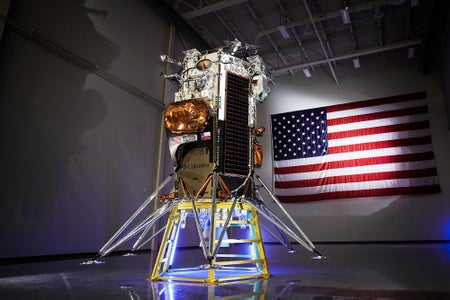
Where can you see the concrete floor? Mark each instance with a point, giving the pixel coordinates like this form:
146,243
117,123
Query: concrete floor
353,271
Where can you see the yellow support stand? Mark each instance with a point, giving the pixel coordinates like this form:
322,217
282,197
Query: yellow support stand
224,267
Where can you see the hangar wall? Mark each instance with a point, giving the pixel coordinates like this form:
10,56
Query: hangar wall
81,109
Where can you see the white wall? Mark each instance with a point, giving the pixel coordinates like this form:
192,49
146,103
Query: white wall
401,218
78,154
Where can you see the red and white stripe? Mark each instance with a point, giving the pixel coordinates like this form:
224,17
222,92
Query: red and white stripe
377,147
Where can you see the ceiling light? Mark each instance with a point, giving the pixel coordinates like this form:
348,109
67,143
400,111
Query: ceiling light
307,72
345,16
284,32
410,52
356,64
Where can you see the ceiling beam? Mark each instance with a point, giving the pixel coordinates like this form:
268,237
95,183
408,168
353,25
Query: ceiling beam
322,17
388,47
274,46
313,23
297,38
211,8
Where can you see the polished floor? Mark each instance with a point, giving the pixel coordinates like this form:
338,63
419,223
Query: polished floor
353,271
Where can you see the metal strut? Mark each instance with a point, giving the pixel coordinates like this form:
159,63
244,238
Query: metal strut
107,248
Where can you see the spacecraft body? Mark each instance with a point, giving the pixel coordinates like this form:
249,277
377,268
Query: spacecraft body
212,133
211,123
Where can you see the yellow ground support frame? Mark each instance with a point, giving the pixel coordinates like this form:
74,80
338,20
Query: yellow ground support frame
225,267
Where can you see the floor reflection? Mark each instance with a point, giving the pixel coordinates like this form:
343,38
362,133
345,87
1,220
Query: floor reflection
246,289
383,271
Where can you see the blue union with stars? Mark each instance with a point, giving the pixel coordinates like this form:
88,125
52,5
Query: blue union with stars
300,134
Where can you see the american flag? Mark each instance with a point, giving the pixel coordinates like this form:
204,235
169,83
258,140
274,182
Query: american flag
370,148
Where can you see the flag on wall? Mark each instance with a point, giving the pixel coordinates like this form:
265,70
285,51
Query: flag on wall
370,148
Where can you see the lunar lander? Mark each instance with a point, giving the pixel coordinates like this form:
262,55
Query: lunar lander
212,136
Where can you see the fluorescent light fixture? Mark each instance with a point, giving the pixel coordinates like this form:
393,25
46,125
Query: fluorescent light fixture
356,63
345,16
410,52
284,32
307,72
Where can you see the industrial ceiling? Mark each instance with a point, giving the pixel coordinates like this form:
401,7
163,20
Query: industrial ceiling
303,35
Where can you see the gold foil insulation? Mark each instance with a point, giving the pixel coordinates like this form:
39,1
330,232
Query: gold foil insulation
257,155
188,116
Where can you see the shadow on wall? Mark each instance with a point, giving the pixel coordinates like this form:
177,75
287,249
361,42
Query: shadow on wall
44,113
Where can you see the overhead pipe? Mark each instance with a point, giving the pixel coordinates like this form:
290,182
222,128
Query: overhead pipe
389,47
274,46
297,38
330,15
211,8
320,41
